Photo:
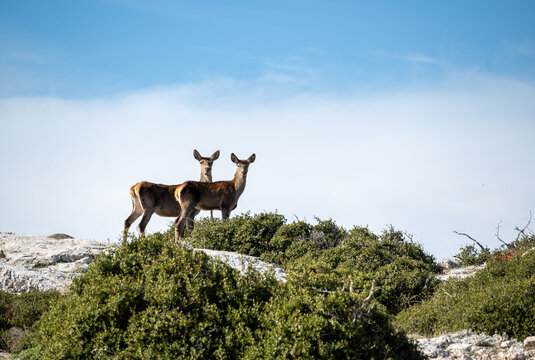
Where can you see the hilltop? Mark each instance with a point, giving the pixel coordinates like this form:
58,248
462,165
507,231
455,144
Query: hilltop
324,279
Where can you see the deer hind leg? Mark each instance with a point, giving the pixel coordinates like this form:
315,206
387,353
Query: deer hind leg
147,213
186,213
136,212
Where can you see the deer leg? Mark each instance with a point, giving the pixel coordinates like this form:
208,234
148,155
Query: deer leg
186,214
180,222
190,223
136,212
145,220
177,224
225,213
190,220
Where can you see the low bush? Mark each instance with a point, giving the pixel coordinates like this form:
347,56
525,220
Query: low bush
244,233
18,314
403,271
151,299
469,255
498,299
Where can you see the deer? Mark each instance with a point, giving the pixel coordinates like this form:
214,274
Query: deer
149,198
194,196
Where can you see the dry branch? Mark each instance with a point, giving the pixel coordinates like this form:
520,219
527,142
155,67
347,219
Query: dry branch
483,249
498,235
359,311
522,231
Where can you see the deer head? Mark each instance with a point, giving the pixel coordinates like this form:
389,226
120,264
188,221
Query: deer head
206,164
242,165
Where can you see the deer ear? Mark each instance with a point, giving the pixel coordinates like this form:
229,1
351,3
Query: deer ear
234,158
196,155
251,158
215,155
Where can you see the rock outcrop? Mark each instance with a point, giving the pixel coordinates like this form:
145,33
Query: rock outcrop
468,345
452,269
46,263
42,263
243,262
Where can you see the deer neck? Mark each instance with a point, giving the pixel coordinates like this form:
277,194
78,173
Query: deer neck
206,177
239,181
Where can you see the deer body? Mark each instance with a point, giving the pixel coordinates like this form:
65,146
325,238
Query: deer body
149,198
194,196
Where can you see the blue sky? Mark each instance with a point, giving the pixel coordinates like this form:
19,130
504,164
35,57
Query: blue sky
91,48
417,114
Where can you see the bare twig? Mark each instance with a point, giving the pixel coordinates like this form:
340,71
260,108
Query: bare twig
498,235
522,231
320,290
474,240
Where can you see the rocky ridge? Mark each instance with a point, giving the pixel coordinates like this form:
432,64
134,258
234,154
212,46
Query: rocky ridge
43,263
51,262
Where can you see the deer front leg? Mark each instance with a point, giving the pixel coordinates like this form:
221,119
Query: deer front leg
190,224
225,213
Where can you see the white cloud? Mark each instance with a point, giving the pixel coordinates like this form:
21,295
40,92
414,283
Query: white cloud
428,161
411,57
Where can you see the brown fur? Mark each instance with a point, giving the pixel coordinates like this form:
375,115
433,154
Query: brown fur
220,195
149,198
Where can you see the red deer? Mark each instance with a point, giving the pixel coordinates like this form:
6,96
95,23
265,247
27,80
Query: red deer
220,195
149,198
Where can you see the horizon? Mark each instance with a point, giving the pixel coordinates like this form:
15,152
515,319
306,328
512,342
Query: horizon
415,115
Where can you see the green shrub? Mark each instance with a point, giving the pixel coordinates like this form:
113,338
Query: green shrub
151,299
244,233
403,271
22,311
289,242
306,322
498,299
266,235
326,234
468,255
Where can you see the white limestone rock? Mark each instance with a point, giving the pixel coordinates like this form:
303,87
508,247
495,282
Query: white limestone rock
242,262
469,345
529,342
38,262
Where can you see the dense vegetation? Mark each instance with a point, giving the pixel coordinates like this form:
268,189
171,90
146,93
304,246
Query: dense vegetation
149,298
403,272
18,314
498,299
